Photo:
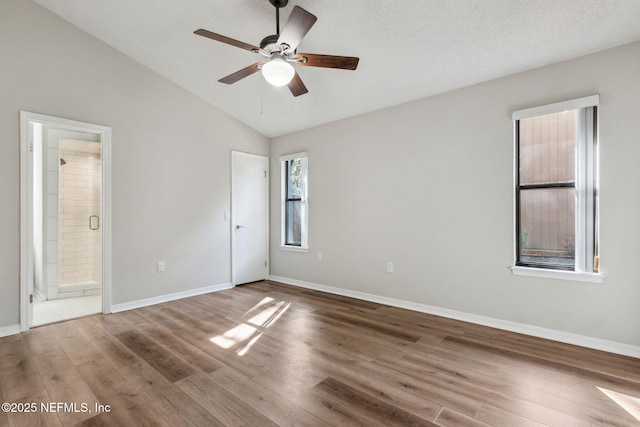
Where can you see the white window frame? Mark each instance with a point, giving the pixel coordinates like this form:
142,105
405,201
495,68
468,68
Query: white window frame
586,186
304,246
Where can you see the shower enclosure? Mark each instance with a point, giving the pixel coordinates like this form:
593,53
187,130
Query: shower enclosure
67,216
79,212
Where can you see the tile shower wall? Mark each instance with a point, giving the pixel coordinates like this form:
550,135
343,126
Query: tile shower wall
50,209
80,183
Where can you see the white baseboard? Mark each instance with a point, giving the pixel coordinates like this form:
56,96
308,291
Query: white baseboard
115,308
5,331
521,328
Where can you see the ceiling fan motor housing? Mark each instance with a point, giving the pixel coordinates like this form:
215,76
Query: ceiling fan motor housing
269,40
269,48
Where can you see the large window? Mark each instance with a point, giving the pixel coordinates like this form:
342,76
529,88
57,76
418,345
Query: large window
556,186
294,200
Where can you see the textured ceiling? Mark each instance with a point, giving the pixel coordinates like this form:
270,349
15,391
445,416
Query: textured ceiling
408,50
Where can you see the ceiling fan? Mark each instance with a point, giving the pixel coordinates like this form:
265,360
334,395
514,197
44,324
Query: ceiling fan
278,52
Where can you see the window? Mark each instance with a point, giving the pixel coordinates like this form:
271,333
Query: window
556,186
294,201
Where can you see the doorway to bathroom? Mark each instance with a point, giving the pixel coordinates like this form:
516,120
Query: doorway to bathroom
65,230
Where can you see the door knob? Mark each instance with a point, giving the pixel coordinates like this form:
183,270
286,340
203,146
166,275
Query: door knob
238,227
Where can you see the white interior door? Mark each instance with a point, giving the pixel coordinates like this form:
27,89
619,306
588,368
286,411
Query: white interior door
250,219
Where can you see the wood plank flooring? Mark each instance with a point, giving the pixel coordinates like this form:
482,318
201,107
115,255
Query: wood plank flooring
270,354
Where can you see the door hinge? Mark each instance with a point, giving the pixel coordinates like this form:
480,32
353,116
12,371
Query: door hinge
31,147
265,263
265,173
31,299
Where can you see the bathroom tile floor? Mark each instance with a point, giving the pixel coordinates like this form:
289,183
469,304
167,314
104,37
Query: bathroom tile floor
63,309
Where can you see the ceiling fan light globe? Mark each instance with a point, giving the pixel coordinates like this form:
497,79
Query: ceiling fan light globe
278,72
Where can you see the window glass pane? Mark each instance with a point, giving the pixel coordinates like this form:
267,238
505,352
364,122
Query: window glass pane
547,226
294,223
547,148
294,176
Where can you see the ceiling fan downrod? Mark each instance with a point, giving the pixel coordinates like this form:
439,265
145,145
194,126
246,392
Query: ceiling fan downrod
278,4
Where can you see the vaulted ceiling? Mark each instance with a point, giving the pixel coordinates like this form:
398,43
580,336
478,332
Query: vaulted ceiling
408,50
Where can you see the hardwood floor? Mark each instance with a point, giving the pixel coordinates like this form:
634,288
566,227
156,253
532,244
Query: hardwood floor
269,354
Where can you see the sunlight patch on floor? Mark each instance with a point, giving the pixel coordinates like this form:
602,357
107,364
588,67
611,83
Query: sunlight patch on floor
233,336
265,300
246,348
628,403
247,334
270,315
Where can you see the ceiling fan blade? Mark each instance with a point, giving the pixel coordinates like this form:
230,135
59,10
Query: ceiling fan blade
296,86
328,61
298,25
224,39
241,74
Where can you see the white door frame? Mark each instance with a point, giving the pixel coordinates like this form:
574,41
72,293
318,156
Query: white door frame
26,207
233,214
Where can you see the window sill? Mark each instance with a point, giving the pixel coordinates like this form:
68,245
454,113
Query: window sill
294,248
558,274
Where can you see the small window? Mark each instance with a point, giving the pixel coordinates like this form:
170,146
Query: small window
556,186
294,200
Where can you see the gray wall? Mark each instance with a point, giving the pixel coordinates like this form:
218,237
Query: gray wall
393,185
171,156
429,186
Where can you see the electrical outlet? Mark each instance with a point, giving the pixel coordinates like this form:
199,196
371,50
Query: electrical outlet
389,267
319,256
160,266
